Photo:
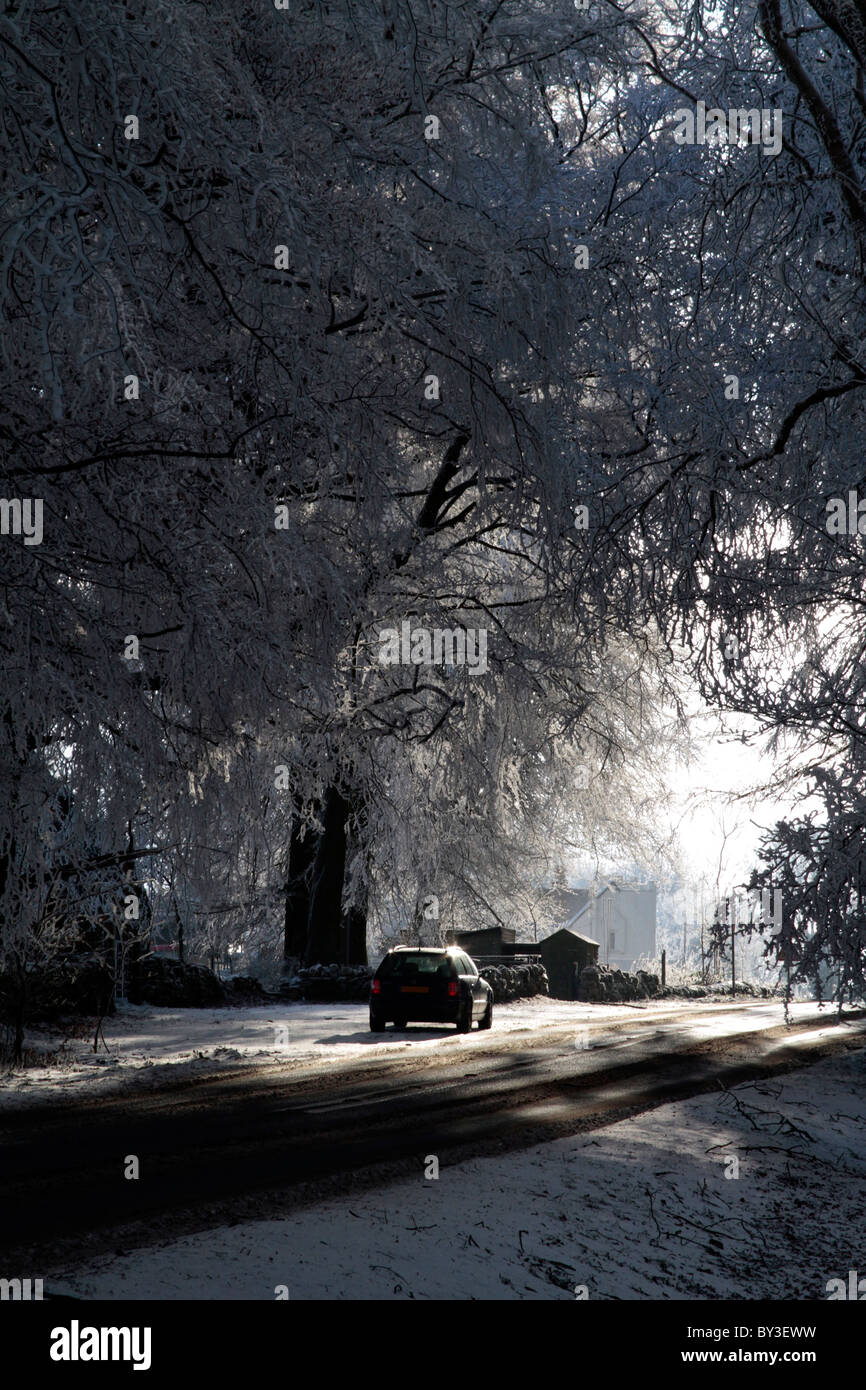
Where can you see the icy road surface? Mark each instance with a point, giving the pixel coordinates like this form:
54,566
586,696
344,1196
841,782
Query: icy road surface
146,1045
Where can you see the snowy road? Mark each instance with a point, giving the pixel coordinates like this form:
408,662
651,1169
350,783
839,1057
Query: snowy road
250,1142
146,1048
651,1207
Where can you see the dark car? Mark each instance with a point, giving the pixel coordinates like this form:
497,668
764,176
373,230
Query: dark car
429,984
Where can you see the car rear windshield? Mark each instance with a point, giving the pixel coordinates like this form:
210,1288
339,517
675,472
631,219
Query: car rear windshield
415,963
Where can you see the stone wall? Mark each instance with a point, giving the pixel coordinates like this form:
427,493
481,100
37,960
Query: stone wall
515,981
606,984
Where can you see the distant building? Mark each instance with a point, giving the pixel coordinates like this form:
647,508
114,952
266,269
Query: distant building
611,923
619,916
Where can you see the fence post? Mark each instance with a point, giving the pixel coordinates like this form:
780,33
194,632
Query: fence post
664,968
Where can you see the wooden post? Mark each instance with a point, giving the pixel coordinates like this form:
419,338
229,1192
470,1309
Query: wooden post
664,968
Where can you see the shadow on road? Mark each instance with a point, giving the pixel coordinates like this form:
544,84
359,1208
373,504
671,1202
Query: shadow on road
404,1034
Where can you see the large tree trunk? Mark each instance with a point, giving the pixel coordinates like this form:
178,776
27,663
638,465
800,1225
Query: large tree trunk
325,942
302,855
355,931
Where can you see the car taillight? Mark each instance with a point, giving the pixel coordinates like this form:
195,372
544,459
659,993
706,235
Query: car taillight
377,988
453,989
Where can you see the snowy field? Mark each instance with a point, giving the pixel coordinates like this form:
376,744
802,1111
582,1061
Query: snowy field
641,1209
147,1046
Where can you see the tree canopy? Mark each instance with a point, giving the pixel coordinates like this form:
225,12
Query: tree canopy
347,319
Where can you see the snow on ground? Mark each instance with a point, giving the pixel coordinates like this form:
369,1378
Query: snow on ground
147,1046
641,1209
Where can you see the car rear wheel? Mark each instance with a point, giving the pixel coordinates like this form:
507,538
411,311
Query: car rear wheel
464,1018
487,1020
377,1023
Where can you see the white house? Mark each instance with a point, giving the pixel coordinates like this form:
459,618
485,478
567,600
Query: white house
620,916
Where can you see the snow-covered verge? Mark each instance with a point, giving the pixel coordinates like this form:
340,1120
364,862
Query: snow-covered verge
640,1210
146,1045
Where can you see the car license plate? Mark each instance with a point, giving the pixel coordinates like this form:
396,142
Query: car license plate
414,989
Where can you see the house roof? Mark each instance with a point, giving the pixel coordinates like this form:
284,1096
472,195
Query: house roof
564,906
561,905
580,912
560,931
